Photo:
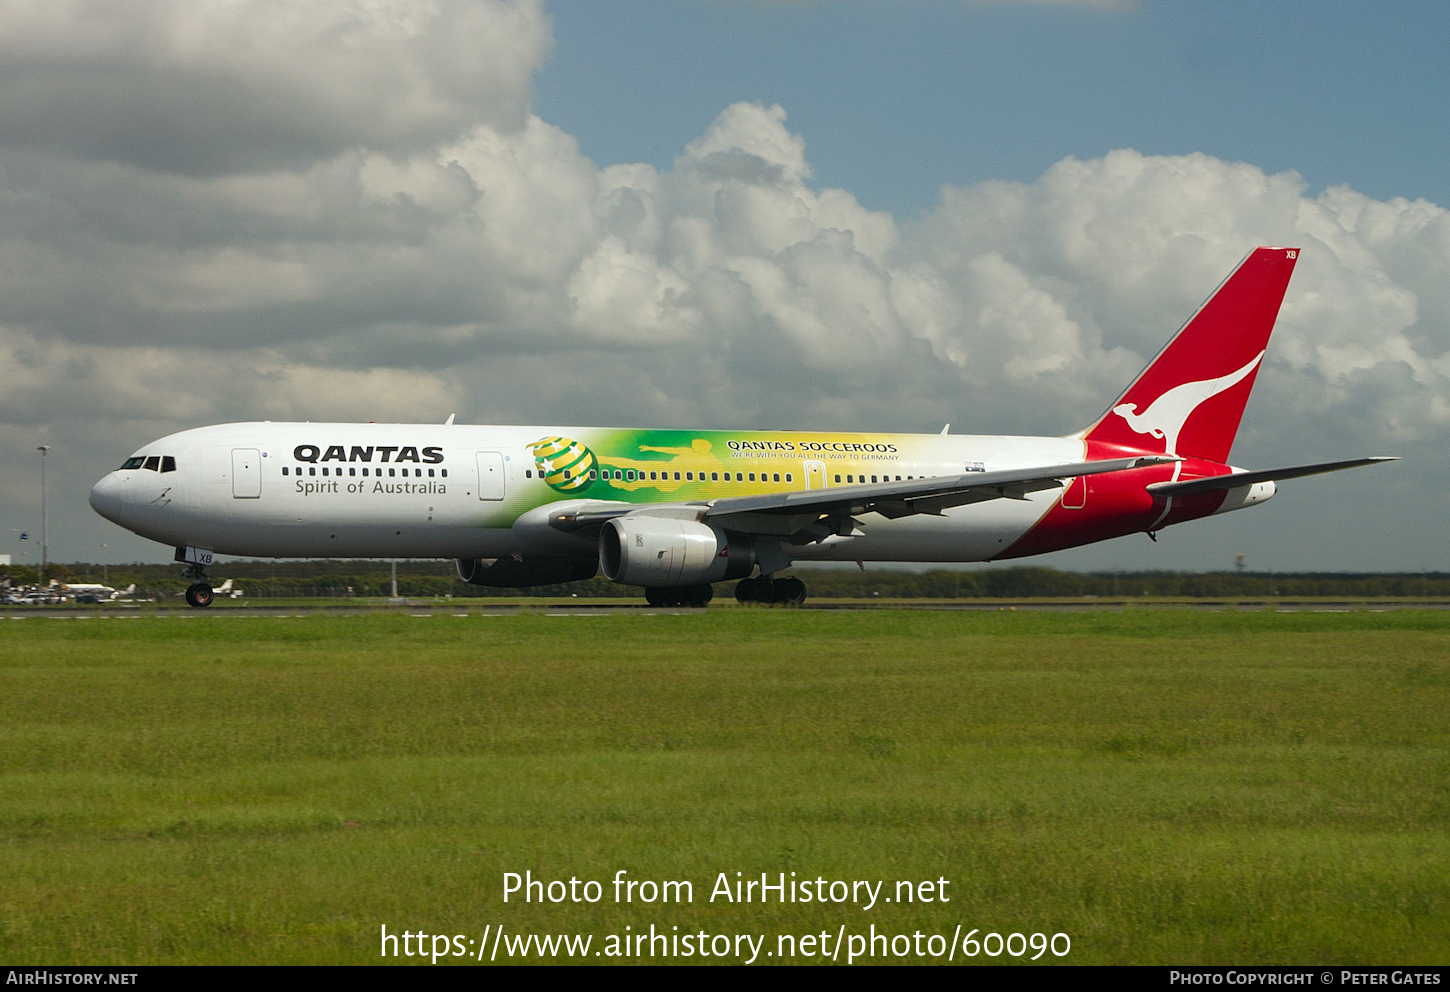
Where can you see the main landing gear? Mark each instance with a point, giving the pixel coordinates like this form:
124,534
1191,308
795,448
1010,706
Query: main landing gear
764,589
679,595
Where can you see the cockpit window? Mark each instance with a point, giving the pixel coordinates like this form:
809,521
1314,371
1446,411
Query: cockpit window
168,463
133,463
153,463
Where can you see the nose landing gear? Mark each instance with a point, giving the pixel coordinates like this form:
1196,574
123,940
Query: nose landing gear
199,593
764,589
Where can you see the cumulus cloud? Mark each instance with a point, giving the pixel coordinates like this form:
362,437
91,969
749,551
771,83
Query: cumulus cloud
345,211
210,86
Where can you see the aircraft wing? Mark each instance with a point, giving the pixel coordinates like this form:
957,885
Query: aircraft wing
1239,479
792,513
931,495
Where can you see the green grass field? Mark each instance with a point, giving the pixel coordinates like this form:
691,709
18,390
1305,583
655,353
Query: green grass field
1161,785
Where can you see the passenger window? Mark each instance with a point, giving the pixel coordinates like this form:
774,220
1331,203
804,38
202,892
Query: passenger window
353,471
838,478
284,469
714,476
153,463
752,476
777,478
849,478
787,477
311,470
566,473
873,478
392,472
654,475
629,475
133,463
444,472
737,477
689,476
593,474
430,473
677,477
168,463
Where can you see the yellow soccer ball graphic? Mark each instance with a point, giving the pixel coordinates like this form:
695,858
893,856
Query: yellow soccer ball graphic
563,463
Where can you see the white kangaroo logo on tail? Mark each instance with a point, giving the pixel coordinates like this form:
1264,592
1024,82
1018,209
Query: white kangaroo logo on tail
1166,415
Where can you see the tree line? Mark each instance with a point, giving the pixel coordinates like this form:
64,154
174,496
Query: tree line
434,578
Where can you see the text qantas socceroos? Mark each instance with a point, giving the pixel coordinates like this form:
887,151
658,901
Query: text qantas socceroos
781,887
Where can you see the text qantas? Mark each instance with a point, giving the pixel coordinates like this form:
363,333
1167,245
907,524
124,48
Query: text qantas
358,453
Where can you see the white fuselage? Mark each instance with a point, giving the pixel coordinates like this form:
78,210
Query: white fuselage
475,492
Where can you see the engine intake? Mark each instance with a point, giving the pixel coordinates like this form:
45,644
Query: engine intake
639,550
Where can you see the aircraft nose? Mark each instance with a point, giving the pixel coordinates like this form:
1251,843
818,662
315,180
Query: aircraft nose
106,498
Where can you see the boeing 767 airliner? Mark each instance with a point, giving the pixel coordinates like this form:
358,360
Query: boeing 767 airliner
674,511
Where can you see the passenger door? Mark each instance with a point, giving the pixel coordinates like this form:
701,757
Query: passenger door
1075,496
490,475
815,475
246,473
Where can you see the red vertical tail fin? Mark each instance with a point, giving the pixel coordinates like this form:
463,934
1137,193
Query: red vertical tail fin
1191,397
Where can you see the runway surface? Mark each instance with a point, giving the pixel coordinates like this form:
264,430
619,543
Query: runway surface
430,608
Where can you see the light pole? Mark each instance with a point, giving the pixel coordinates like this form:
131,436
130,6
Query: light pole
44,450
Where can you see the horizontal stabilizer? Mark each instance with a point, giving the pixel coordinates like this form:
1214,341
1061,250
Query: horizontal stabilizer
1218,483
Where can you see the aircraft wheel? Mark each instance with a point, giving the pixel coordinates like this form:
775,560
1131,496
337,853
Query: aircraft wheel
751,591
791,591
656,596
198,594
699,595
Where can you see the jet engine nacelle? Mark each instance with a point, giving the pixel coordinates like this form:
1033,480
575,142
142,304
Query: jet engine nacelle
641,550
505,573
